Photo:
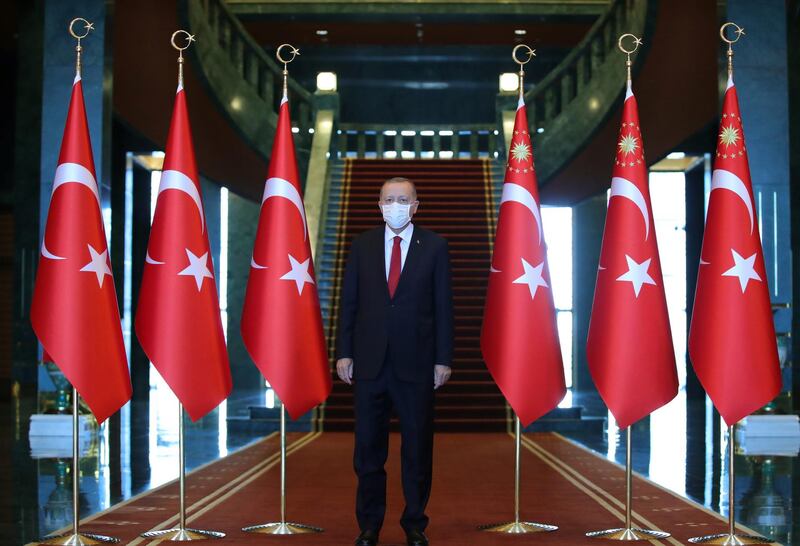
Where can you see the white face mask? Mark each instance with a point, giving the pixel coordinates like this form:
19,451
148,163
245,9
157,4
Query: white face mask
396,215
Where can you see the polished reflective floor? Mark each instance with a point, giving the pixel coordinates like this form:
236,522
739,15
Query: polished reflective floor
681,447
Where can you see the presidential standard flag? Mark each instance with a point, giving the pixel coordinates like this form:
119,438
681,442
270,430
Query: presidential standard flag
519,338
629,349
732,337
281,319
74,311
178,319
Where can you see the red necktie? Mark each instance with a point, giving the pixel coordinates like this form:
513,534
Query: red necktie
394,266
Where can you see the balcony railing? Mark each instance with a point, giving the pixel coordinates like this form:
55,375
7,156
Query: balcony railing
417,141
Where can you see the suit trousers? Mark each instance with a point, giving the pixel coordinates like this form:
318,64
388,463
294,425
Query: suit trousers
413,403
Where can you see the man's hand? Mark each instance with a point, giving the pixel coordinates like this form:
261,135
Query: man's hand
344,367
440,375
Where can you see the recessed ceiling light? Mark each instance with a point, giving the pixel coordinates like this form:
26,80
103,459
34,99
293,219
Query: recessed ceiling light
322,32
520,32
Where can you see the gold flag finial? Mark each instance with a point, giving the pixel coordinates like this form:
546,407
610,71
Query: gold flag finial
189,39
636,43
531,54
87,27
294,52
739,33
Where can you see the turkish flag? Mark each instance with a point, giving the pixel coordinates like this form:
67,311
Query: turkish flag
178,320
732,337
519,337
74,311
281,319
630,352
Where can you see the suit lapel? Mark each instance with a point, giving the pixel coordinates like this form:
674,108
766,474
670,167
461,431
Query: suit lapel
380,250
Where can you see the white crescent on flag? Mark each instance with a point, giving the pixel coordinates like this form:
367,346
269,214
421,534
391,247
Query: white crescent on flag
278,187
622,187
176,180
71,173
516,193
726,180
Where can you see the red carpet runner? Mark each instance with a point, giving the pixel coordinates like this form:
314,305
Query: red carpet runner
456,202
562,484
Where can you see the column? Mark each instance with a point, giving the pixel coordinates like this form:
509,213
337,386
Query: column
588,220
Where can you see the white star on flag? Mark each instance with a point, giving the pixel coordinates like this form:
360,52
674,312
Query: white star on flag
198,268
299,273
637,274
532,277
743,269
98,265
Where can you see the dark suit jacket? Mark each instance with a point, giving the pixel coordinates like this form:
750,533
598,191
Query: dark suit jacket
413,330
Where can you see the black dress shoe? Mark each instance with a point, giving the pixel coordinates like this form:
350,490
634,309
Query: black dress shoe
367,538
416,538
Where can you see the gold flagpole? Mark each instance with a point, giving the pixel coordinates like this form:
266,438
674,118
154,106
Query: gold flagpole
181,532
629,532
283,527
731,537
518,527
76,538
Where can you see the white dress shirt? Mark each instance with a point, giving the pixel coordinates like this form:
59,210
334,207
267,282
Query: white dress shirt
405,242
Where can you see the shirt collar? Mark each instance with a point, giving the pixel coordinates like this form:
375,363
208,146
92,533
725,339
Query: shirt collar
405,235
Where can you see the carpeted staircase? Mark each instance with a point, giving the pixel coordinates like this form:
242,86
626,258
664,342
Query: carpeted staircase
457,200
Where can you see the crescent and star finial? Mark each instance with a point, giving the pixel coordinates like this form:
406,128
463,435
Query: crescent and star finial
636,43
189,39
87,28
531,54
730,41
278,53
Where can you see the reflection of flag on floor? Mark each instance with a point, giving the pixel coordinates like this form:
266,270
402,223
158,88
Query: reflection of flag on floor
281,319
630,352
519,338
178,320
732,337
74,311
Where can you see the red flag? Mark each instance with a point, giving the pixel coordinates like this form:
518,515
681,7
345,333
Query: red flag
519,338
732,337
178,320
74,311
281,319
630,352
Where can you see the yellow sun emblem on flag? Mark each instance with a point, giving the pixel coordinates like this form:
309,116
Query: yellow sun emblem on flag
729,135
628,144
521,151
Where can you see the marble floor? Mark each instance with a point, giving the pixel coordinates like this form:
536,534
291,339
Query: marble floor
681,447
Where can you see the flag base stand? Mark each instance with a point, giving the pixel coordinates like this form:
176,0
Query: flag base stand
731,538
282,527
79,539
179,534
517,527
75,537
628,533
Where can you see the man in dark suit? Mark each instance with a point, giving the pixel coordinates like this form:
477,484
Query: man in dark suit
395,342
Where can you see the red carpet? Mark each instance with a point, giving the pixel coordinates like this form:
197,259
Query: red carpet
455,201
562,484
